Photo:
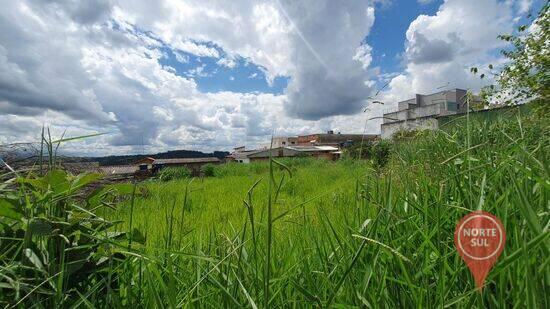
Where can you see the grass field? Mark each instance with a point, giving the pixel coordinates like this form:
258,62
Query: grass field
306,233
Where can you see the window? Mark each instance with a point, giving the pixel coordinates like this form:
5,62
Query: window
284,143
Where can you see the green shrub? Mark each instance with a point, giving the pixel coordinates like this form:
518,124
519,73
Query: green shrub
381,153
208,170
55,246
174,173
376,151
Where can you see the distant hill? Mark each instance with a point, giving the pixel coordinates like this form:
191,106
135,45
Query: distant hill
121,160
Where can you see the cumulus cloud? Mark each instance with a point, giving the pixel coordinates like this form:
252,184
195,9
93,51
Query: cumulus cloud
423,50
317,43
226,62
329,78
94,66
440,49
197,49
524,6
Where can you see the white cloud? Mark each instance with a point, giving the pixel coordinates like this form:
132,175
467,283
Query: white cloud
95,68
440,49
197,72
313,42
327,79
226,62
524,6
181,57
95,72
363,55
196,49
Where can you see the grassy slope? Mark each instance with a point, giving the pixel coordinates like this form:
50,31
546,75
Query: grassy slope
379,238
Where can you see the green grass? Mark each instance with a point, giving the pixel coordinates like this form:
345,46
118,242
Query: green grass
311,233
345,234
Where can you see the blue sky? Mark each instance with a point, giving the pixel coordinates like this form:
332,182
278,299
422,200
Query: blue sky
245,76
211,74
387,37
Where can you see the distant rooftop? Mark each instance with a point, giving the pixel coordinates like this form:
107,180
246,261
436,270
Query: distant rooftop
186,160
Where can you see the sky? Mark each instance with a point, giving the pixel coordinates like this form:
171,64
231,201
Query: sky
214,74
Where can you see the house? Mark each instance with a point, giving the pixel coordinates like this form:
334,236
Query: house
421,112
145,164
193,164
240,155
282,141
149,165
325,152
333,139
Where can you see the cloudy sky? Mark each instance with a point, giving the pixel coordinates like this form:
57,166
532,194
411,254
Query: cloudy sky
212,74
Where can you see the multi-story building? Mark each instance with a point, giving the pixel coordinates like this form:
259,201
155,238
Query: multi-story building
421,112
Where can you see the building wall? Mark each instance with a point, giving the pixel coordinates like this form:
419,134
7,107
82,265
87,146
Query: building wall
284,141
275,152
396,116
416,113
388,129
403,105
424,111
332,139
307,139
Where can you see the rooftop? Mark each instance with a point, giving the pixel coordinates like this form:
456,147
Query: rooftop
186,160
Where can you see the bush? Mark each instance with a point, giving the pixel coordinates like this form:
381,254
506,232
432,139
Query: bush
174,173
381,153
208,170
63,234
377,151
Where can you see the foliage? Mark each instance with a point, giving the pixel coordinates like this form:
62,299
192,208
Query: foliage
340,235
208,170
376,151
315,233
381,153
54,246
525,76
174,173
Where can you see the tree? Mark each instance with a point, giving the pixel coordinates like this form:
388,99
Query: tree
525,77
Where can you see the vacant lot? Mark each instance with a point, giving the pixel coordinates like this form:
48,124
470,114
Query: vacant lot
354,233
297,233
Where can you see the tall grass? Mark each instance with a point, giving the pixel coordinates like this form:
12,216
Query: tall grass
348,233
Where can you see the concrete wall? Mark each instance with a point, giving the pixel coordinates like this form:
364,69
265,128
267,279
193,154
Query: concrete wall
388,129
332,139
396,116
411,113
403,105
275,152
424,111
284,141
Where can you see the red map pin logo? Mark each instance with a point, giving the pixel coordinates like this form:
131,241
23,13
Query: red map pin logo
479,239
